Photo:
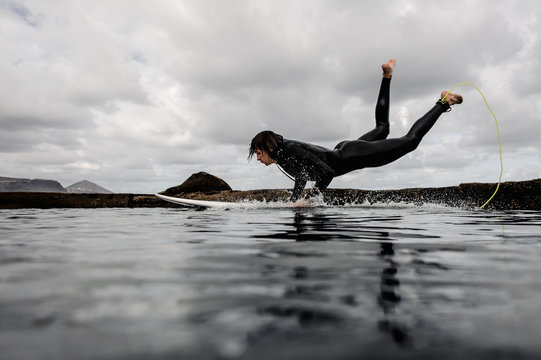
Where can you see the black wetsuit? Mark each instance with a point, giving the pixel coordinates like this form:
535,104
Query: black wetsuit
311,162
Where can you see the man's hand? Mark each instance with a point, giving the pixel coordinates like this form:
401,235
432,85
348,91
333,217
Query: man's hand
300,203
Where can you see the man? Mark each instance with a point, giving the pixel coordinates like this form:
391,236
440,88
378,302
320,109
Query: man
305,161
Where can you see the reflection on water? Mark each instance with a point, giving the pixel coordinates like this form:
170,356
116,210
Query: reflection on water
340,283
389,297
307,226
327,227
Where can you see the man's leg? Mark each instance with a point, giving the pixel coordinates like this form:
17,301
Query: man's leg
381,131
359,154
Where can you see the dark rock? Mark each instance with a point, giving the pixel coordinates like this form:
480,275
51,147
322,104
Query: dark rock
18,200
201,182
522,195
525,195
8,184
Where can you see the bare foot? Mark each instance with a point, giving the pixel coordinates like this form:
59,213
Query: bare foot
451,98
388,68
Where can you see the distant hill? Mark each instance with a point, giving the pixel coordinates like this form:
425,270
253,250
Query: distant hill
87,187
8,184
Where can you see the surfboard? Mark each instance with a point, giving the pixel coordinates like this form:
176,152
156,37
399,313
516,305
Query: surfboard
196,203
254,204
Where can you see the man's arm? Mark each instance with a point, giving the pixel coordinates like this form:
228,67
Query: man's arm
312,168
297,190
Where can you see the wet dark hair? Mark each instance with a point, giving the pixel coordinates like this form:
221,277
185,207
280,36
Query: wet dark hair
265,141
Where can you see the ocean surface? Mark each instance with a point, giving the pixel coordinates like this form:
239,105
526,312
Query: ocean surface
380,281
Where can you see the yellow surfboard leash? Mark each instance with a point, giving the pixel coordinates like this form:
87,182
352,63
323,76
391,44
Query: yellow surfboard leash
497,129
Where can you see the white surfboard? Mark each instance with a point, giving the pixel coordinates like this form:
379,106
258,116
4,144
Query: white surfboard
196,203
253,204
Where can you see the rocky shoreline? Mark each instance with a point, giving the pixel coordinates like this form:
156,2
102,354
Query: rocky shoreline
520,195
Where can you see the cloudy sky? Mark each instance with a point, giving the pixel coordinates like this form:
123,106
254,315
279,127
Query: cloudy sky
138,95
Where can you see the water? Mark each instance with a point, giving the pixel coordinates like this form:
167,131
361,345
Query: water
396,282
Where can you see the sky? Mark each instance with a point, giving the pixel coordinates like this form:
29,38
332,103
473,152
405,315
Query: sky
138,95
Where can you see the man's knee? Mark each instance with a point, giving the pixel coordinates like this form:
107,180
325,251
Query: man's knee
383,131
413,143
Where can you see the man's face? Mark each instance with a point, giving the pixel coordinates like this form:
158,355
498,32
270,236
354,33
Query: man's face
264,157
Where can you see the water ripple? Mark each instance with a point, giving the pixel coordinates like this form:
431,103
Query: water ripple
386,282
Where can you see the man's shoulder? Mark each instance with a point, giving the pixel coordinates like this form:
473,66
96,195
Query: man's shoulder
289,143
295,145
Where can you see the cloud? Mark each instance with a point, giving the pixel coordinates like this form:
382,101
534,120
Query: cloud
24,14
138,96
